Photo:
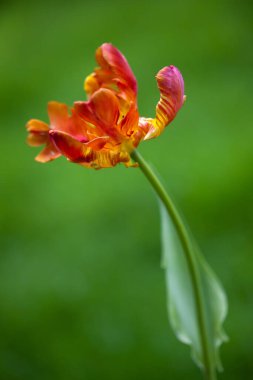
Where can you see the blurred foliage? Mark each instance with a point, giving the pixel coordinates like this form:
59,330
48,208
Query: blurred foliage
81,290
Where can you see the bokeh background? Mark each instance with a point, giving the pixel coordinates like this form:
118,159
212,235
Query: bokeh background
82,293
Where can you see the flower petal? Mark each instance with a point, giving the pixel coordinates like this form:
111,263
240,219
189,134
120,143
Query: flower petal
98,143
111,58
38,132
37,139
171,85
101,112
58,115
88,154
105,105
68,145
49,153
114,73
83,109
35,125
130,129
91,84
130,121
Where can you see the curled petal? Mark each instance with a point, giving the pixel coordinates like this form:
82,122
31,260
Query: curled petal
171,85
98,143
113,73
74,149
76,127
91,84
36,126
130,128
108,57
70,147
101,113
147,125
37,139
62,120
58,115
88,154
38,132
49,153
105,105
39,135
84,111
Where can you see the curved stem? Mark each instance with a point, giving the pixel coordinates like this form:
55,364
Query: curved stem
210,373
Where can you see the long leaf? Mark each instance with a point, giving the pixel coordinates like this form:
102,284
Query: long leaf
181,297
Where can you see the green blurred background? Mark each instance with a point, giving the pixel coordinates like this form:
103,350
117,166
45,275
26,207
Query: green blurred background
82,294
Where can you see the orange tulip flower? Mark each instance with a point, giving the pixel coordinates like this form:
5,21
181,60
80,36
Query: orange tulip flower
104,130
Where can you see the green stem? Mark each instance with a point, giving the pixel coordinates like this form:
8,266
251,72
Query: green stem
209,371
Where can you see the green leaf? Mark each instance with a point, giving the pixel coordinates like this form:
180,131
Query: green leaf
182,297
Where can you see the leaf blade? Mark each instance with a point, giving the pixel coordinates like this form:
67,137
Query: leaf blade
181,297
